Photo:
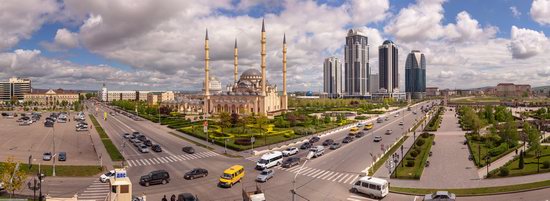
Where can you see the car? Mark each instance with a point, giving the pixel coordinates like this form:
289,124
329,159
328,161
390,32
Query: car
189,150
156,148
265,175
148,143
396,115
62,156
401,123
105,177
380,120
306,145
377,139
335,145
47,156
347,139
135,141
187,197
81,129
135,133
414,112
141,137
291,162
143,148
155,177
196,173
388,132
440,196
25,123
317,151
290,151
328,142
314,139
360,134
48,124
126,135
386,119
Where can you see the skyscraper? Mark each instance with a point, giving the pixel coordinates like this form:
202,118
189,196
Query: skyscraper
356,62
374,83
415,75
332,77
388,69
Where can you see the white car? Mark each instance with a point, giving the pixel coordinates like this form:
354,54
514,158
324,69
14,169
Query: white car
396,115
105,177
290,151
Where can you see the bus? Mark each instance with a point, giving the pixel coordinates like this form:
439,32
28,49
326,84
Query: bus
269,160
369,126
231,176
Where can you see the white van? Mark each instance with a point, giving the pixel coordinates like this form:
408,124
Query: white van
371,186
269,160
317,151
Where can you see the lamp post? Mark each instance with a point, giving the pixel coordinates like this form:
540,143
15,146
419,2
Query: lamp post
293,191
34,187
488,162
538,153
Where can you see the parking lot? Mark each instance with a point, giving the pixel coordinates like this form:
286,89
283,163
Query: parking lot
21,141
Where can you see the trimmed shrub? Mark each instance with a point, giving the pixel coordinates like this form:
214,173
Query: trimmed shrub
414,153
545,164
521,163
243,141
420,142
498,150
410,163
503,172
425,135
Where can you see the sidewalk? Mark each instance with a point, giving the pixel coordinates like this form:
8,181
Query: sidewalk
100,150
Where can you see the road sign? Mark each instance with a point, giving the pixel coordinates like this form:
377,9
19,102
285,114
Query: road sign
252,139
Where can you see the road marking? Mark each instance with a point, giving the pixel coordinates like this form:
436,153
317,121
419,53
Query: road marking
318,174
185,157
322,175
168,159
293,168
161,160
142,161
129,164
354,178
310,174
157,160
341,179
311,170
137,162
175,158
180,158
327,175
349,178
303,171
339,175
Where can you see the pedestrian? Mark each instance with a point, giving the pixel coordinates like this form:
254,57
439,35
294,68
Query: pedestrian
173,198
516,151
164,198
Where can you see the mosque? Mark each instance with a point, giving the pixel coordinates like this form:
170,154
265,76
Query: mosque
250,93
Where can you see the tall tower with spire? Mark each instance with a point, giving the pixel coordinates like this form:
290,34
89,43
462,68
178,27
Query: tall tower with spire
283,97
206,76
263,59
236,62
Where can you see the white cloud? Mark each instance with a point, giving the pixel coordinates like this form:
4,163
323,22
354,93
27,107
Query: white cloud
467,29
515,12
540,11
545,73
64,39
19,19
364,12
527,43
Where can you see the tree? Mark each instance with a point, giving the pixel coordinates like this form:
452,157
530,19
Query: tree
291,117
261,121
533,135
225,120
510,133
234,119
12,176
521,162
327,119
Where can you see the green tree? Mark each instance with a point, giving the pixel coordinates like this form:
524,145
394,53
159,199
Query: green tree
225,120
510,133
521,162
12,176
327,119
533,136
261,121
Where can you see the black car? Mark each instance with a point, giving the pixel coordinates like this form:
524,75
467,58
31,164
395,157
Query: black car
306,145
187,197
5,114
48,124
196,173
155,177
189,150
141,137
148,143
62,156
328,142
291,162
314,139
360,134
347,139
156,148
135,133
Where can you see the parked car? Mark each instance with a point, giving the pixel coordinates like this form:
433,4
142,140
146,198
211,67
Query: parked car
306,145
314,139
291,162
126,135
328,142
62,156
396,114
196,173
156,148
440,196
189,150
105,177
187,197
155,177
290,151
143,148
335,145
377,139
47,156
265,175
360,134
388,132
347,139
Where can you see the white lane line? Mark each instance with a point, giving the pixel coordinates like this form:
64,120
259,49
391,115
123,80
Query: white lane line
152,161
307,171
157,161
312,172
319,173
175,158
168,159
304,170
129,164
199,154
292,168
180,158
354,178
192,156
346,181
339,175
342,179
137,162
142,161
323,175
161,160
184,157
415,198
211,153
327,175
352,199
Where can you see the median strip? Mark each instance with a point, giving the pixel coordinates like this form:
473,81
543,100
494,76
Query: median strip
107,143
462,192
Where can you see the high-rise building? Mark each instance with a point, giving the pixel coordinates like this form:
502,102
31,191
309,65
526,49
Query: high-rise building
374,83
388,67
357,70
415,75
15,89
332,77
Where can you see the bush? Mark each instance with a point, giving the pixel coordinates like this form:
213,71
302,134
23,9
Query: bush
503,172
498,150
243,141
546,164
410,163
425,135
521,163
420,142
414,153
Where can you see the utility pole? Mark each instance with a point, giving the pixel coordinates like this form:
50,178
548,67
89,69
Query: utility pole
53,158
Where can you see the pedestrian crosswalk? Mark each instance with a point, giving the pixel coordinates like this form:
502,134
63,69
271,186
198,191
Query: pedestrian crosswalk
357,198
339,177
169,159
96,191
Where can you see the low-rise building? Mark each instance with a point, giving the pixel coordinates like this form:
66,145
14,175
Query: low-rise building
51,97
154,98
432,91
513,90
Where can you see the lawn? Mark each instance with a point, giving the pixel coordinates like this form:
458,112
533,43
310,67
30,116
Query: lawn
530,164
434,123
415,160
63,170
113,152
476,147
384,158
475,191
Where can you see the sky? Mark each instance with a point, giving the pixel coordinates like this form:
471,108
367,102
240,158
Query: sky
159,44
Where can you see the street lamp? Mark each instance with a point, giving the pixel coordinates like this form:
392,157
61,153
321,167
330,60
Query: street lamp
538,153
293,191
34,187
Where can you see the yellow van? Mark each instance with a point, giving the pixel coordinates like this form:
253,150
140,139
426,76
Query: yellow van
369,126
231,176
354,130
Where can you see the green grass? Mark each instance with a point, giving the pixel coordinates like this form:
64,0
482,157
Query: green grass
384,158
415,172
484,148
63,170
475,191
530,164
433,125
113,152
202,145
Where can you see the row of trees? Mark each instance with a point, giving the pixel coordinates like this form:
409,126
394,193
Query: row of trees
475,120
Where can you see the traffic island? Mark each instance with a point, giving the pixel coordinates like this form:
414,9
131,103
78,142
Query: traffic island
412,165
107,143
60,170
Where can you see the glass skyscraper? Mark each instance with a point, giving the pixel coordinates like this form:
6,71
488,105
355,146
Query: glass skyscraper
388,66
415,75
356,59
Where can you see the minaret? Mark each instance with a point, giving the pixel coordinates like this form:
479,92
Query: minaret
263,59
206,76
284,98
236,61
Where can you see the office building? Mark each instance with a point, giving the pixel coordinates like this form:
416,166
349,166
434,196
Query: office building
415,75
332,77
513,90
15,89
155,98
357,70
374,83
388,67
52,97
432,91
